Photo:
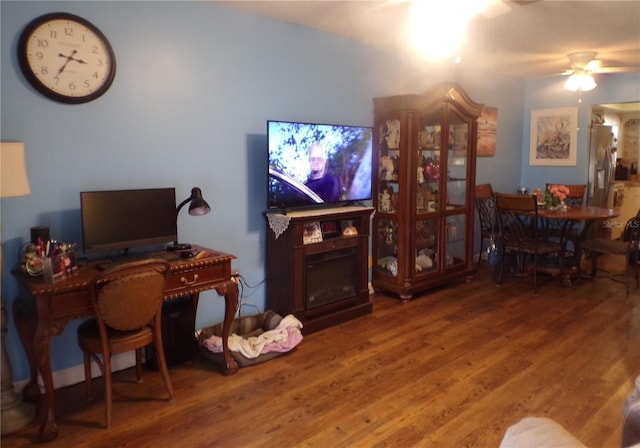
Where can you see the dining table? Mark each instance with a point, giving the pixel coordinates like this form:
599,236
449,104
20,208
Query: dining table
570,216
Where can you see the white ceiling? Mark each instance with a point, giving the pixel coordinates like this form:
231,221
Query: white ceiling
532,40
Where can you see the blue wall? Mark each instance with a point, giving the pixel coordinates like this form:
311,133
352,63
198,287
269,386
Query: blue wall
195,84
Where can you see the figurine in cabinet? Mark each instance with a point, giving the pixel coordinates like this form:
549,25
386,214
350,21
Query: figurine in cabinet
420,172
392,134
388,168
385,201
432,169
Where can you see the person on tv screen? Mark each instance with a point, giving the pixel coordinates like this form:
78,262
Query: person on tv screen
319,180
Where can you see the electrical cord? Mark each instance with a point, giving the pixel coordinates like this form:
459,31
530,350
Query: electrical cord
242,283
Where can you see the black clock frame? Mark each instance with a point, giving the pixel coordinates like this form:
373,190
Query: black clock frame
37,84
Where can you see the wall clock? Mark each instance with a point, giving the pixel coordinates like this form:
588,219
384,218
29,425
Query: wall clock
66,58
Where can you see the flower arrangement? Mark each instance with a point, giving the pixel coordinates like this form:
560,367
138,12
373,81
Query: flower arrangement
555,195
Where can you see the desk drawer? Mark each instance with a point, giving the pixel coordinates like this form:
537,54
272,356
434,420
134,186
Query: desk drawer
189,281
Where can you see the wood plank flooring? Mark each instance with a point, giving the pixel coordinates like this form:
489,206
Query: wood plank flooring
453,368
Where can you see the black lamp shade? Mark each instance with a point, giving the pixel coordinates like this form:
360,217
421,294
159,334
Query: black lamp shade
198,206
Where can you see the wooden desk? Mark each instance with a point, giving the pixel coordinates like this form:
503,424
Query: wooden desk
48,307
575,213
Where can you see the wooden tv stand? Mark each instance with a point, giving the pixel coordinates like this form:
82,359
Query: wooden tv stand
315,270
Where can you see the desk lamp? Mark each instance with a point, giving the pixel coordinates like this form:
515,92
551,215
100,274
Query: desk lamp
198,207
13,182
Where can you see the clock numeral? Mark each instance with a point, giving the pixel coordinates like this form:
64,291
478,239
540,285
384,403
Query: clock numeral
94,49
100,63
44,70
43,43
39,55
72,86
86,84
68,32
95,75
53,34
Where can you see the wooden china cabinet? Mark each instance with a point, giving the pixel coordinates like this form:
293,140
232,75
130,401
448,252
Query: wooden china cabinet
425,151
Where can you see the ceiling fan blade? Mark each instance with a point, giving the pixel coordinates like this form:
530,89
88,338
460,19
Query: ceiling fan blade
618,70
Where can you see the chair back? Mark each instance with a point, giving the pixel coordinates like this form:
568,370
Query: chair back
575,195
128,297
517,217
485,204
632,231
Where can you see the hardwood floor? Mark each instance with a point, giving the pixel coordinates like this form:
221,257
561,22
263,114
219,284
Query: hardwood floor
453,368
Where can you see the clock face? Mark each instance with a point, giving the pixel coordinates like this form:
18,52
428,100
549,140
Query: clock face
66,58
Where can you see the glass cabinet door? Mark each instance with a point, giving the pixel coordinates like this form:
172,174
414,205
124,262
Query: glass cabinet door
455,240
426,245
387,247
456,193
457,162
388,171
428,165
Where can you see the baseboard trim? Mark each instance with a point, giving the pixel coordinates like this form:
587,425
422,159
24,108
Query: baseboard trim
74,375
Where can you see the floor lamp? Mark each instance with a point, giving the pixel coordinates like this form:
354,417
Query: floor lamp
13,182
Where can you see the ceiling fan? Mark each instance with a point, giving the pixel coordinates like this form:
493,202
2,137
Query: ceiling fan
583,65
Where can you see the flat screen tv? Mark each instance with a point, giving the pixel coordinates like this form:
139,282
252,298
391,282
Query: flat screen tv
315,165
124,219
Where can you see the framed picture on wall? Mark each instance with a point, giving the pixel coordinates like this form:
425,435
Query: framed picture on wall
487,130
554,134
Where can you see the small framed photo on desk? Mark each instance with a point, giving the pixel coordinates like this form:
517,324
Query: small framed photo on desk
311,233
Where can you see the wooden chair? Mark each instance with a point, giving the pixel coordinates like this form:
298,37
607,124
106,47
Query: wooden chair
517,217
629,247
127,301
485,205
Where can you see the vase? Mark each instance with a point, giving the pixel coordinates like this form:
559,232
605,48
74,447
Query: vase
560,206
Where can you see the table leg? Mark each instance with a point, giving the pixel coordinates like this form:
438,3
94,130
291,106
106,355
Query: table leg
49,428
229,290
36,337
26,321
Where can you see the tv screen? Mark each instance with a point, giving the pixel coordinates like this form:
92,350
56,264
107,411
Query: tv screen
124,219
317,164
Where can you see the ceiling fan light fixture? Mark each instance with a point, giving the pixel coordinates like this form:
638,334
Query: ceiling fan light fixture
580,80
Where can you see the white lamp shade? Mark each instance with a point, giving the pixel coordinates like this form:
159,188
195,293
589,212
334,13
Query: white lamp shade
13,172
580,80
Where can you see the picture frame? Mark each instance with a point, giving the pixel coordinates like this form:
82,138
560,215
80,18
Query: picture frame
554,135
487,131
311,232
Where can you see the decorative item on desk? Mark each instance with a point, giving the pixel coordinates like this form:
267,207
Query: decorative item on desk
60,267
198,207
55,261
349,229
554,197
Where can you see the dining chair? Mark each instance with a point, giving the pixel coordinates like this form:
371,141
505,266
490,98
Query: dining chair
127,301
518,225
628,246
485,206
